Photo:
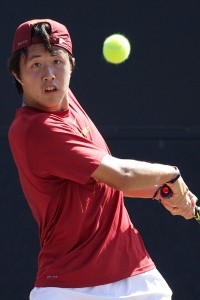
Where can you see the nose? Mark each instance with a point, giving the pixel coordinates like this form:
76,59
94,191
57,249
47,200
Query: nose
48,74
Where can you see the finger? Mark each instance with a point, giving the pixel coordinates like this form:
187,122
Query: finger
186,212
193,198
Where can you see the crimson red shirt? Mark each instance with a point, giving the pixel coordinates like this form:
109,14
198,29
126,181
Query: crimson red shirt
86,235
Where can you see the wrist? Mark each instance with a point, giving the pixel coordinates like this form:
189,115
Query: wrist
174,179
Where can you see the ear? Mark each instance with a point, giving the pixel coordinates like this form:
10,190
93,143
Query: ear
17,78
72,64
73,61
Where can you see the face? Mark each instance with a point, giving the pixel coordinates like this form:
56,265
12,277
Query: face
45,78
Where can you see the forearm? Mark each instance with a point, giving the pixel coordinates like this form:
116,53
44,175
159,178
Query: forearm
136,179
141,175
129,175
144,193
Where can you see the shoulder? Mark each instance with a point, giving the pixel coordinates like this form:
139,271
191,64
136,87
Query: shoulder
48,124
34,122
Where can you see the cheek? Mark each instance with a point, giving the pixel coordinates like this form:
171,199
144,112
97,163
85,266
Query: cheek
29,78
30,84
66,75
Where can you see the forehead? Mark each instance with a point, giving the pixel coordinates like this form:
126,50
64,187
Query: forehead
39,50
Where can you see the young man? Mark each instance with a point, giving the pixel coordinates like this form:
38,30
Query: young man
74,187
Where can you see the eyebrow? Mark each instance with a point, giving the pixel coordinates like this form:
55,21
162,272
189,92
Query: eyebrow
33,56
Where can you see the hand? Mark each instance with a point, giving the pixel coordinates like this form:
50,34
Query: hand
179,190
182,201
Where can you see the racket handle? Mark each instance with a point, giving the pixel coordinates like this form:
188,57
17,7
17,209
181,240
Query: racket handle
166,192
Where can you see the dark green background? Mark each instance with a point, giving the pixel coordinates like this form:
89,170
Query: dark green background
147,109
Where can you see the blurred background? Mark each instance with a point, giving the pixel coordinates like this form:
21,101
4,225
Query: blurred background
146,108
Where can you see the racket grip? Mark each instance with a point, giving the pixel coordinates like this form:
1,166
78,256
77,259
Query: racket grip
166,192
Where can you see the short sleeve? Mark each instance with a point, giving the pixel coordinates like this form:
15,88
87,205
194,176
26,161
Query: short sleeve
56,149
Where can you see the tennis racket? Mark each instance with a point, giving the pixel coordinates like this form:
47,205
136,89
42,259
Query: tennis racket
166,192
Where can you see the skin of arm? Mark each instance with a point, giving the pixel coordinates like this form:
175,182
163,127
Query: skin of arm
144,193
130,175
140,179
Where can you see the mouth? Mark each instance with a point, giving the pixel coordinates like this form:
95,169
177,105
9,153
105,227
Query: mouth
50,89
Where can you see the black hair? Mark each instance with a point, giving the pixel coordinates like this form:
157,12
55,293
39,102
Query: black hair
41,30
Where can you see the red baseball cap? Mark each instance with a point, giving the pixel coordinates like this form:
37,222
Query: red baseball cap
59,35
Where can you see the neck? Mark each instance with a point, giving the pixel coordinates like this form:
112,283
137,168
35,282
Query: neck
65,106
24,102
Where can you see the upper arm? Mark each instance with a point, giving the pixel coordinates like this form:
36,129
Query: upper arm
115,173
111,172
55,149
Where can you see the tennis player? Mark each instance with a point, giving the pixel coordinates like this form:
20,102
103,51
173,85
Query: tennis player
74,186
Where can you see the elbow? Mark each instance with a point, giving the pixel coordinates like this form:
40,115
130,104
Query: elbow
123,183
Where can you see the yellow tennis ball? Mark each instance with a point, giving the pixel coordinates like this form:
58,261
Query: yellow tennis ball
116,48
